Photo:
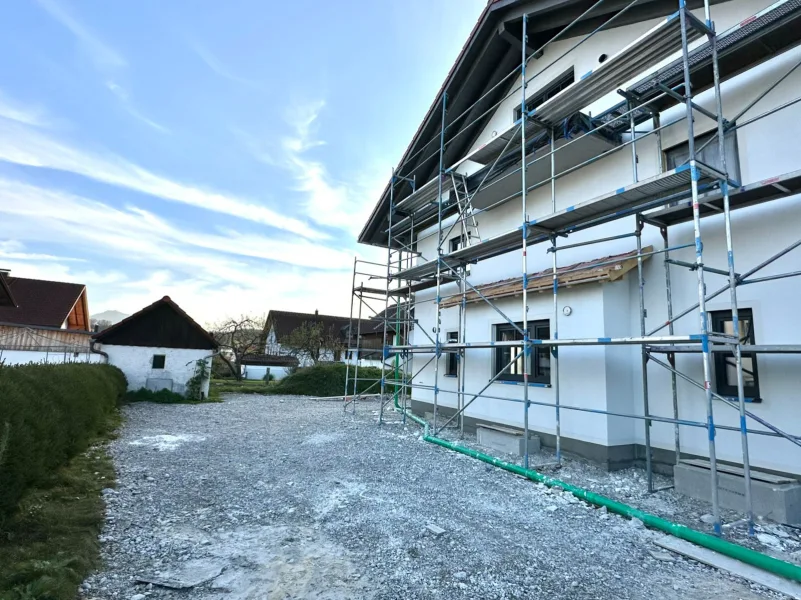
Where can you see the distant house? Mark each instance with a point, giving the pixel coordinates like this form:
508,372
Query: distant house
158,347
257,367
280,325
43,321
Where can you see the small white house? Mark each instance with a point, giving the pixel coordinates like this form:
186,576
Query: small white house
159,347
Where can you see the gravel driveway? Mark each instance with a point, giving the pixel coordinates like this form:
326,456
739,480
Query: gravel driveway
268,497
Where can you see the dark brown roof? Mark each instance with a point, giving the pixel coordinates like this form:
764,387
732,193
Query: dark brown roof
36,301
156,326
270,360
284,322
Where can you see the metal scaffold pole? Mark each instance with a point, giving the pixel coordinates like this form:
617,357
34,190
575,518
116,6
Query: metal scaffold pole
555,333
671,356
553,125
738,351
646,410
438,304
699,261
384,340
349,352
527,358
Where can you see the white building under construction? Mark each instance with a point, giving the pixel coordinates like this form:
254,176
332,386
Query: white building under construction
594,235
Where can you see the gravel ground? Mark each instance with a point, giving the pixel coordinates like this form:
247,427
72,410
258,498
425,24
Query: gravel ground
630,486
268,497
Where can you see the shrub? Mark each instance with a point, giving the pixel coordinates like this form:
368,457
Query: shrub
325,379
48,414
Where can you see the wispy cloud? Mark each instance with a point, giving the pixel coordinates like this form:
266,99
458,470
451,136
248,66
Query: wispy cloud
217,66
144,235
328,201
26,114
15,250
125,98
210,273
24,146
101,54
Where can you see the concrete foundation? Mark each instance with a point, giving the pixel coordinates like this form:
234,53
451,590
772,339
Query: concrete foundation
774,497
505,440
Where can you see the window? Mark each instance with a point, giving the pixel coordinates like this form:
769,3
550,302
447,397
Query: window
553,88
539,361
455,244
159,360
452,368
725,365
679,155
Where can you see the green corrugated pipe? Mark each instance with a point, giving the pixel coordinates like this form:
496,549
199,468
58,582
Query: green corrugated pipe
746,555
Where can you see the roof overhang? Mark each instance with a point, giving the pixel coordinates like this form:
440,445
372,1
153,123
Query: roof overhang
478,80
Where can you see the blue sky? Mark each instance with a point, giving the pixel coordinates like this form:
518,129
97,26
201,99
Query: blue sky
223,153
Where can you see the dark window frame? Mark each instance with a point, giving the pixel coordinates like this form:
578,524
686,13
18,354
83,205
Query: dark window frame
452,364
158,358
677,155
539,371
723,359
556,85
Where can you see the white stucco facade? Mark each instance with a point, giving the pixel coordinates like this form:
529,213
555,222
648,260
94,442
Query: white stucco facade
609,377
136,362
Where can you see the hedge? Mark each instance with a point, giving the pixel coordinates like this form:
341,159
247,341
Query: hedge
48,414
325,380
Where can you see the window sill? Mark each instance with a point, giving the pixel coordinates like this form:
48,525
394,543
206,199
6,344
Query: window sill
451,376
520,383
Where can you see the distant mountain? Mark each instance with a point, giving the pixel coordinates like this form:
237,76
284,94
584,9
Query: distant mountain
112,316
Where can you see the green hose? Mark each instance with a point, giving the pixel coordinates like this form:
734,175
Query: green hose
746,555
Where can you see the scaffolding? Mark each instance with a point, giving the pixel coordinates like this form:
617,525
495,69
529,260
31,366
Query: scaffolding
522,159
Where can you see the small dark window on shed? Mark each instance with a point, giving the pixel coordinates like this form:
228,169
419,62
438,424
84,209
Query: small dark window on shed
159,360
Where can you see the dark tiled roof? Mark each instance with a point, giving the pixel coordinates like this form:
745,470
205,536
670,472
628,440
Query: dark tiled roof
284,322
114,331
270,360
38,302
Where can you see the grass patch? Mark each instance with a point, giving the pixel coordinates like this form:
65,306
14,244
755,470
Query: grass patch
49,545
162,397
232,386
326,379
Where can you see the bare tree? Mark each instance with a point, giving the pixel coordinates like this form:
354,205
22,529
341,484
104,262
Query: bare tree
239,337
100,324
312,342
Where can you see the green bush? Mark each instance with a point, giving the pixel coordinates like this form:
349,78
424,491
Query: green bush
327,379
48,414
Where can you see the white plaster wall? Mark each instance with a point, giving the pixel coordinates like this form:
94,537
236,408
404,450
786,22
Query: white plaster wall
136,362
258,372
597,377
22,357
